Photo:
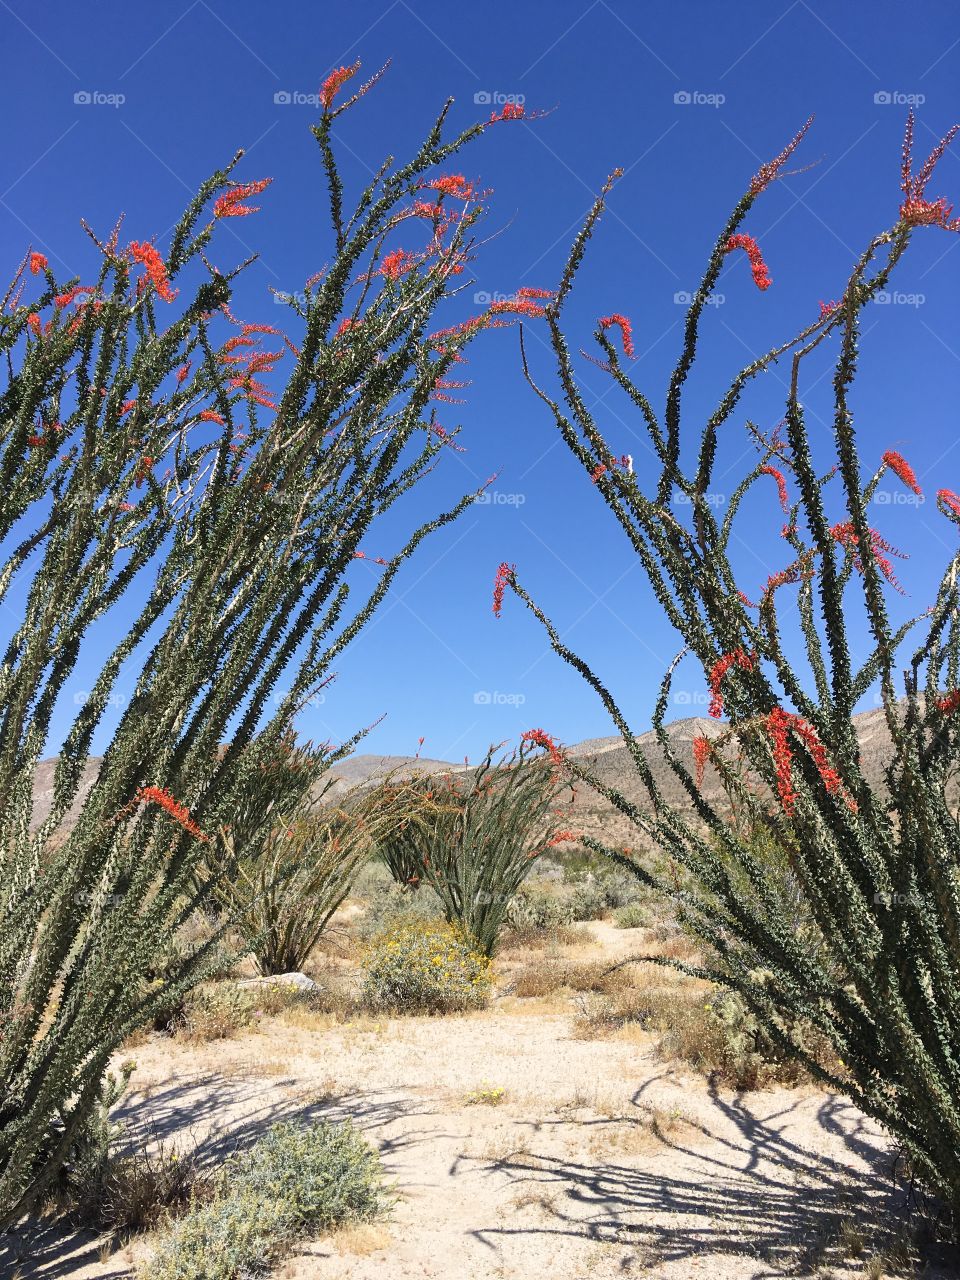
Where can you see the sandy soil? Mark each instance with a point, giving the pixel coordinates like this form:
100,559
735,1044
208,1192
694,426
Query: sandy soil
600,1161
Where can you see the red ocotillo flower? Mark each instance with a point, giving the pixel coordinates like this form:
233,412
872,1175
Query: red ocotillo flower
767,172
780,723
950,500
903,470
147,255
450,184
844,534
738,658
540,738
916,210
512,111
598,471
701,754
781,485
397,263
562,836
180,813
505,574
230,204
626,332
827,309
335,82
758,268
949,702
208,415
38,263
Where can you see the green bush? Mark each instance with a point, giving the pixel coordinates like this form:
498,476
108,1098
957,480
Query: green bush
390,906
536,908
426,968
296,1181
635,915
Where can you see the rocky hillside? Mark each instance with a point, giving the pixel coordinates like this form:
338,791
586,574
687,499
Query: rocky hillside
589,812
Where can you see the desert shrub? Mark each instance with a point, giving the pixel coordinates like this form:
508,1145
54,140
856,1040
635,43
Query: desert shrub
537,909
546,975
390,906
474,836
216,519
140,1190
286,878
218,1011
635,915
295,1181
875,854
423,968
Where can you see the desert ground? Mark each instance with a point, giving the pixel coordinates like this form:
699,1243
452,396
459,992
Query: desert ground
517,1146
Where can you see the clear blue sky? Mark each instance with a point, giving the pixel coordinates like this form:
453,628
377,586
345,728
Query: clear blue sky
200,79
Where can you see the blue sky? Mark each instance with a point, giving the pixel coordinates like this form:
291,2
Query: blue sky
689,98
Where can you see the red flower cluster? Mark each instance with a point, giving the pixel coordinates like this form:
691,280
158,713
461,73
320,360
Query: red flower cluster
147,255
626,332
767,172
47,436
701,754
38,263
208,415
882,550
562,836
180,813
780,723
949,499
522,303
450,184
599,470
64,299
758,268
230,204
738,658
542,739
949,703
397,264
827,309
335,82
504,574
916,210
781,485
512,111
903,470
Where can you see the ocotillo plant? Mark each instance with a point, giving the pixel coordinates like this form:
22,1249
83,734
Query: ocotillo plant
165,466
474,837
878,868
282,880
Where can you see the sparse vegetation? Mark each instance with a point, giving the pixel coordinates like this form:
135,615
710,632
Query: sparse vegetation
423,968
294,1181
